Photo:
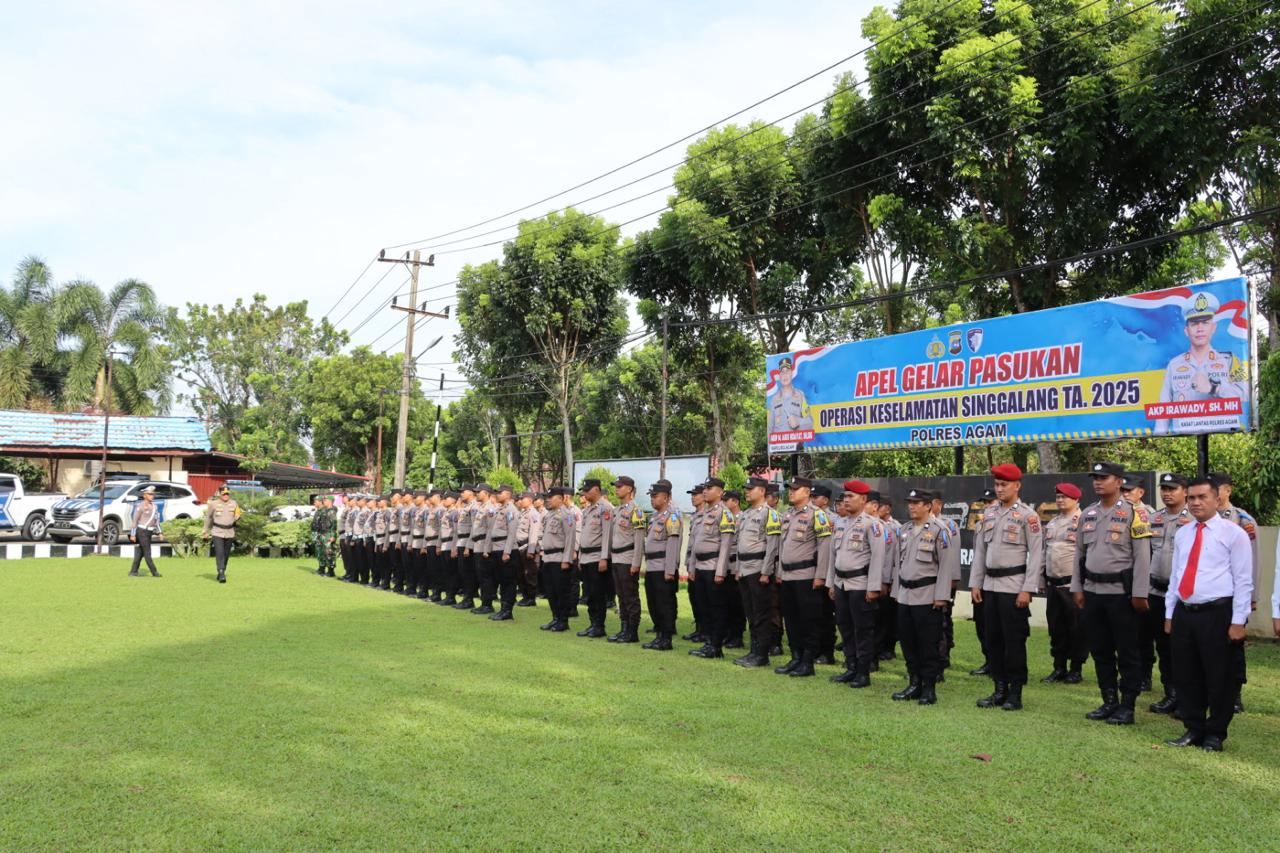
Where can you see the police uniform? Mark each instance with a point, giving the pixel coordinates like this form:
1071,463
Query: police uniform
382,545
594,534
220,518
758,531
395,549
856,568
528,529
1207,376
887,615
557,546
466,562
827,620
1067,641
345,520
503,531
1165,524
698,634
481,521
662,568
1008,557
146,523
788,409
626,556
447,564
805,554
922,588
1112,570
710,542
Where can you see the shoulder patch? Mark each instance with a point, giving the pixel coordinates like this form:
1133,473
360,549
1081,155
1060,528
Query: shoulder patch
772,524
1139,528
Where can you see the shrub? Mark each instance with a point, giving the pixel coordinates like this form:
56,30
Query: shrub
184,534
293,537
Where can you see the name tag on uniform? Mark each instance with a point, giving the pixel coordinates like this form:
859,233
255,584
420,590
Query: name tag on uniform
1090,526
1012,534
926,545
1071,536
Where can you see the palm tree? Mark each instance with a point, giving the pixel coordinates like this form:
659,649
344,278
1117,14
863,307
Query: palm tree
28,336
115,334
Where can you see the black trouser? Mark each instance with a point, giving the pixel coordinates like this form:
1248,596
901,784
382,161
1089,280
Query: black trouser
143,551
449,573
697,602
826,625
508,571
221,552
980,628
344,547
563,590
887,627
920,632
801,612
466,576
1068,644
528,575
430,570
947,639
382,566
757,604
367,555
1112,627
660,599
600,591
775,612
627,588
1155,642
1008,627
486,578
736,615
715,607
1203,672
856,618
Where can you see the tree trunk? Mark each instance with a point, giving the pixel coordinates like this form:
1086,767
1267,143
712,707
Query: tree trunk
513,443
1050,461
562,398
717,417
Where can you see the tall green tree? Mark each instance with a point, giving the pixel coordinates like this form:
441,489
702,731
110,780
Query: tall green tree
28,337
555,297
244,366
121,329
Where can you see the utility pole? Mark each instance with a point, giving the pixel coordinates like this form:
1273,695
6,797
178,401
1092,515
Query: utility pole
377,480
406,382
662,440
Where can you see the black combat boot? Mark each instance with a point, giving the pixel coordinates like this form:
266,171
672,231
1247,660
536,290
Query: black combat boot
222,575
503,615
1167,704
861,678
622,630
1123,715
928,694
483,610
733,643
997,697
1110,702
1074,675
911,691
803,669
559,626
708,651
775,650
1013,698
632,632
1059,673
787,667
845,677
593,630
664,643
985,669
752,658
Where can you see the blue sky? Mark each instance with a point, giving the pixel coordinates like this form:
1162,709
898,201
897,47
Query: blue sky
218,150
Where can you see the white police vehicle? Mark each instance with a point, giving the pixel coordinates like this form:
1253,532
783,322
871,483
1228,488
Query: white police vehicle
25,512
78,516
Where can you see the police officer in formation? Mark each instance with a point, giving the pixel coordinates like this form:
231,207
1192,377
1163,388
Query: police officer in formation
1105,571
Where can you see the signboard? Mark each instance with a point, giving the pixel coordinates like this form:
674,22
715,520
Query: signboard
1169,362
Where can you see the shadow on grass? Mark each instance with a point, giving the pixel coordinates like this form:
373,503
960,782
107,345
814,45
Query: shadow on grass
386,722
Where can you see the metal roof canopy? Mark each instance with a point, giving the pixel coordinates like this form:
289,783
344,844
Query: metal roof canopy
282,475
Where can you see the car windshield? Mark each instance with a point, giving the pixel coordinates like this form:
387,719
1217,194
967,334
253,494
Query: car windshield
114,490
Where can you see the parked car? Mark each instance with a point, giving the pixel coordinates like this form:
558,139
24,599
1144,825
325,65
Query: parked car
78,516
23,511
292,512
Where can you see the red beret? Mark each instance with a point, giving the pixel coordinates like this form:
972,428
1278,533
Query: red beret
1068,490
1008,472
857,487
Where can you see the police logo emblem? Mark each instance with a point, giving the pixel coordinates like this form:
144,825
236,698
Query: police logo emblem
935,348
974,338
953,342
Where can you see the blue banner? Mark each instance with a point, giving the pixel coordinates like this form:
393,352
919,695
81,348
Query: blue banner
1169,362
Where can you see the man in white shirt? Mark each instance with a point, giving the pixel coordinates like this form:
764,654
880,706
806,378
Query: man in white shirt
1209,599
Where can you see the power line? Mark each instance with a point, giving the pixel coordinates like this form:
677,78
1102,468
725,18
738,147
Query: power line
679,141
355,281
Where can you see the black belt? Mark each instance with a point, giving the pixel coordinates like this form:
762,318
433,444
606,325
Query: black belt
707,555
477,538
595,550
230,526
800,566
754,555
630,547
1104,577
917,583
1207,605
1159,585
520,544
856,573
1007,572
653,555
1058,581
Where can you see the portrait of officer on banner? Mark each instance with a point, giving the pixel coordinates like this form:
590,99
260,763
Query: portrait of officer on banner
1202,373
788,408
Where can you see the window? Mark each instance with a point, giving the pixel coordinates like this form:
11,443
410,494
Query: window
8,485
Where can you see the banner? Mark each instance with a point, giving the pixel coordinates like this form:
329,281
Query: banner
1169,362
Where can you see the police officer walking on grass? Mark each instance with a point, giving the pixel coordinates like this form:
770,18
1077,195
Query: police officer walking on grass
1006,572
1110,583
220,519
146,523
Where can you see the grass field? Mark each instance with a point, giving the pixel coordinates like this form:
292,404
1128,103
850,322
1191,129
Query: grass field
284,711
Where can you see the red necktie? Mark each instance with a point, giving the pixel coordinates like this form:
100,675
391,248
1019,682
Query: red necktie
1187,585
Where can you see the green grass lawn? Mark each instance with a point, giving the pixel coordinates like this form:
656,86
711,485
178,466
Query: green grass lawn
285,711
